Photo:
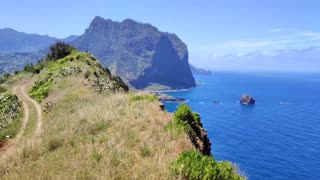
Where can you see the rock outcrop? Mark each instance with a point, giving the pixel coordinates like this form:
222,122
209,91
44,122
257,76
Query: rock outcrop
203,143
247,100
165,97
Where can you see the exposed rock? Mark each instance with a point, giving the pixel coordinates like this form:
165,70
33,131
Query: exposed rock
247,100
165,97
217,102
162,107
203,144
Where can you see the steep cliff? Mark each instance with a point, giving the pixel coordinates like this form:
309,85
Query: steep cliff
139,53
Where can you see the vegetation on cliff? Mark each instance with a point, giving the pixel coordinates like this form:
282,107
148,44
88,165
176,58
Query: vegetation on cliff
198,164
187,122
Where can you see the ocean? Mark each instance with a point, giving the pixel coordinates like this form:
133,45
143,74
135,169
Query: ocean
277,138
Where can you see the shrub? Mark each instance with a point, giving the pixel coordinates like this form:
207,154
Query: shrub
29,68
3,79
106,70
145,151
185,121
10,130
59,50
97,127
10,109
40,89
54,144
86,74
101,126
2,89
194,165
35,69
120,84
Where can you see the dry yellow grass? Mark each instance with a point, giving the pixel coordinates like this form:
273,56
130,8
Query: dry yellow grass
90,136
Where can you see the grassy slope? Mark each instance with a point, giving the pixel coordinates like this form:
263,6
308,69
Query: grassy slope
87,135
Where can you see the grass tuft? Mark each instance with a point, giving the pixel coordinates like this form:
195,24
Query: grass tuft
96,156
54,143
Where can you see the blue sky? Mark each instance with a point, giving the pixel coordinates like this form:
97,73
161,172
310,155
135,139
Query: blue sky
210,28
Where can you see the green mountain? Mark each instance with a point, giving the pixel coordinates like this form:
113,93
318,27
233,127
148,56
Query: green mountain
12,41
139,53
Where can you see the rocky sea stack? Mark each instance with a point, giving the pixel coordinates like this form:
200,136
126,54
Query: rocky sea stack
247,100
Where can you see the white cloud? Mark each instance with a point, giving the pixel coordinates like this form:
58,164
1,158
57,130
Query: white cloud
278,39
277,50
275,30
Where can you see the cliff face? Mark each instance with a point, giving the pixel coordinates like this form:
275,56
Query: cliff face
139,53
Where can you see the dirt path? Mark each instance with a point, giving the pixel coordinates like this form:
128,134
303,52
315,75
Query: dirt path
38,109
5,147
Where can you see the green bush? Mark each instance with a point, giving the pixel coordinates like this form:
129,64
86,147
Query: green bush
59,50
185,121
10,130
31,68
40,89
194,165
2,89
3,78
10,109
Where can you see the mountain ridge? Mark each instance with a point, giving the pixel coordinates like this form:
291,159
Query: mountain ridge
13,41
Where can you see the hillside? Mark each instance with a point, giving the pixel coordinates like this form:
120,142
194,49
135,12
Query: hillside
77,121
11,62
139,53
18,49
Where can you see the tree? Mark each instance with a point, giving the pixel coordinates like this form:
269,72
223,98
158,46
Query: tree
59,50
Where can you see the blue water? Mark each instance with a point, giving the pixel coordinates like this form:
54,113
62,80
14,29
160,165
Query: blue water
269,140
